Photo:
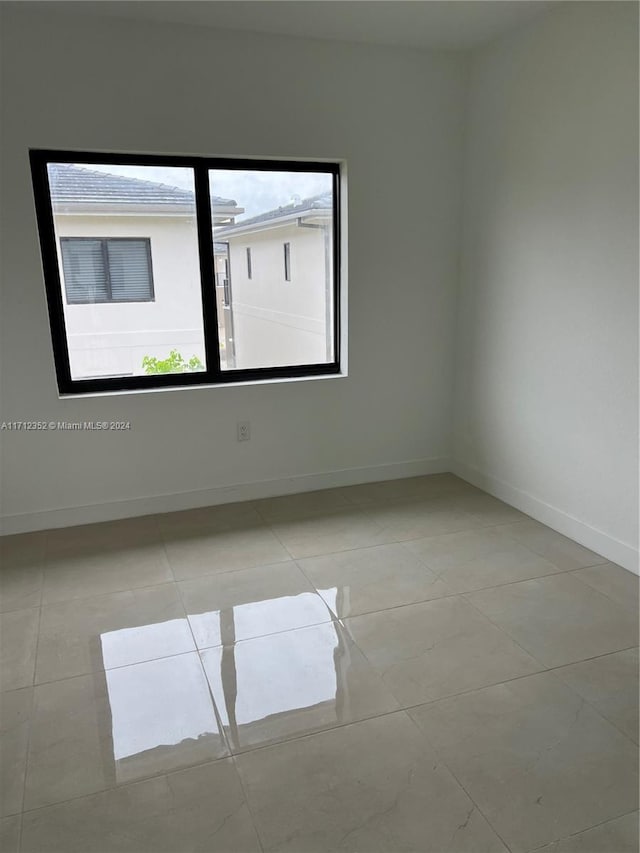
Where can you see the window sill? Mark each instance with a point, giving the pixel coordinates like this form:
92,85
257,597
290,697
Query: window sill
139,392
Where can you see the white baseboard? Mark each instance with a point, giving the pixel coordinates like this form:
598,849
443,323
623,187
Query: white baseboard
612,549
112,510
596,540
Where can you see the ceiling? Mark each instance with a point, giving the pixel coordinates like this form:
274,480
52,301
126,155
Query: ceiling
421,24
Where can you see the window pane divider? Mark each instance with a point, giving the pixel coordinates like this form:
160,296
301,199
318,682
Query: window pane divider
204,225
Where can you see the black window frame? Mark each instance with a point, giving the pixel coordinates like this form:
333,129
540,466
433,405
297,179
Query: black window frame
105,259
249,264
287,261
213,374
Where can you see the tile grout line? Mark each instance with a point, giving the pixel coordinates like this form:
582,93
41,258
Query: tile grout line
196,650
163,545
312,734
519,678
595,589
366,507
395,540
96,672
589,702
247,802
462,595
80,599
26,759
543,669
561,666
439,575
335,616
109,788
161,541
232,755
20,816
317,592
276,744
271,529
502,630
442,759
580,831
296,560
33,699
524,649
303,736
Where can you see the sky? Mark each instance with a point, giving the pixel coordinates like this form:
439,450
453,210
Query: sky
257,192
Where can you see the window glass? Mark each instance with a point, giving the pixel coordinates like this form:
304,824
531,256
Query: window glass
84,269
129,265
269,323
166,270
116,270
127,246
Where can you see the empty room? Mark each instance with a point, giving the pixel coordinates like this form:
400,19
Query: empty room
319,426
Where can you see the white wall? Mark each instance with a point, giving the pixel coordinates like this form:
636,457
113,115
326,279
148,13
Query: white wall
394,115
546,405
112,339
275,321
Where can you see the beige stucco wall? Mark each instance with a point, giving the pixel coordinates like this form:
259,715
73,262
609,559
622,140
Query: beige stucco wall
276,321
112,339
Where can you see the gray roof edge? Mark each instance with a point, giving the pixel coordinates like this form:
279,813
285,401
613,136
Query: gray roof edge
102,186
320,203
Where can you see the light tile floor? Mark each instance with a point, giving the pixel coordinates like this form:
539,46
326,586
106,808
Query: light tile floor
401,666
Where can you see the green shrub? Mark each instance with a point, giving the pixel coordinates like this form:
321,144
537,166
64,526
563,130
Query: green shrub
173,363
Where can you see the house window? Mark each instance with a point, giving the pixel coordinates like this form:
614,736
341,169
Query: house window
287,261
120,322
107,270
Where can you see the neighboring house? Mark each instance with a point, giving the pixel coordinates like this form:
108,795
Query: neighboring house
280,290
128,253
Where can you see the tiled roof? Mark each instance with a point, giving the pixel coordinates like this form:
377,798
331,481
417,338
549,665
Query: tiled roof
77,184
324,201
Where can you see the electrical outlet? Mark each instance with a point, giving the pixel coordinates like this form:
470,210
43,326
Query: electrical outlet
244,430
